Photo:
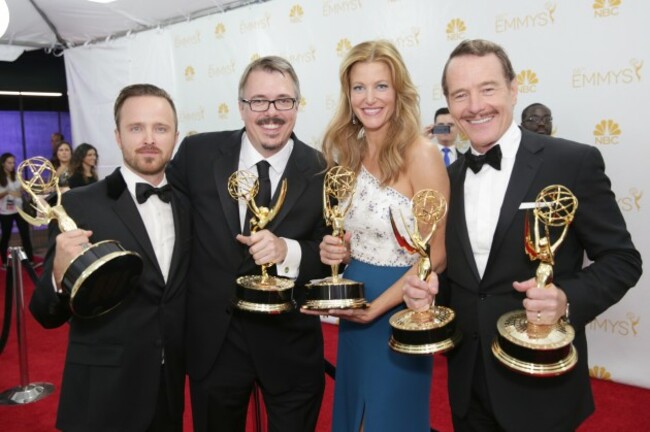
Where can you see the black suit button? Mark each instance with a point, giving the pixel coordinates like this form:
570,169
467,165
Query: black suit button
482,296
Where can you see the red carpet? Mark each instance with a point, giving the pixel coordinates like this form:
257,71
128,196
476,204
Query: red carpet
618,407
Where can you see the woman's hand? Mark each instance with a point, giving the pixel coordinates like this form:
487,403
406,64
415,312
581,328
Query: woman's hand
359,316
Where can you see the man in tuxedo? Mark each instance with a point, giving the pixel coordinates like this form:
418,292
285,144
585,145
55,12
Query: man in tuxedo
125,369
488,274
446,141
231,350
537,117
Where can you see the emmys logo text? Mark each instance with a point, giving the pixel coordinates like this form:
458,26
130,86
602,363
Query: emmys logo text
627,75
306,56
632,201
409,39
437,93
331,7
619,327
606,8
192,39
527,81
543,18
456,29
607,132
263,23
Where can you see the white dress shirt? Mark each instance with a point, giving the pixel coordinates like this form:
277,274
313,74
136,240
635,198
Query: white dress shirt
248,159
453,154
484,194
158,220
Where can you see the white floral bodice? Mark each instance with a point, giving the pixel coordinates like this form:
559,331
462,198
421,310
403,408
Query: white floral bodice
368,221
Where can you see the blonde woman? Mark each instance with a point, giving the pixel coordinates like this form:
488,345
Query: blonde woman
376,132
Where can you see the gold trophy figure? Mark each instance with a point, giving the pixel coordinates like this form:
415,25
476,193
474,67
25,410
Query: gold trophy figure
336,292
526,347
433,330
101,276
260,293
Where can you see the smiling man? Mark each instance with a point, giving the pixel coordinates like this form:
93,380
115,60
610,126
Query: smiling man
488,273
230,350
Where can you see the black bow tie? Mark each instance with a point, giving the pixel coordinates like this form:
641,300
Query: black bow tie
143,191
492,158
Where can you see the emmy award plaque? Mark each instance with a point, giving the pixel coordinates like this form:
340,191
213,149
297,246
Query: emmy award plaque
433,330
526,347
260,293
336,292
101,276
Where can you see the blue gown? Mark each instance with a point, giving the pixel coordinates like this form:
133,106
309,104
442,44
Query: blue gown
385,390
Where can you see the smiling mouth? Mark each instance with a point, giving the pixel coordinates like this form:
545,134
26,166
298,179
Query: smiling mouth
272,123
480,121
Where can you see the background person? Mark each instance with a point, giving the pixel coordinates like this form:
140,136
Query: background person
62,163
446,141
537,118
83,166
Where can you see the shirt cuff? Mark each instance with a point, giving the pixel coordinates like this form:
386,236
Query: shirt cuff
290,267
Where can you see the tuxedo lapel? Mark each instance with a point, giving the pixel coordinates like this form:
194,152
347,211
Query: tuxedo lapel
457,208
527,163
225,164
181,232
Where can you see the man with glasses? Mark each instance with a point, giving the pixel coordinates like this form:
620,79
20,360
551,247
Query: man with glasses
229,350
445,131
537,118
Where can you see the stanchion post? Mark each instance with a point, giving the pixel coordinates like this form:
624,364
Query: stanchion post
27,392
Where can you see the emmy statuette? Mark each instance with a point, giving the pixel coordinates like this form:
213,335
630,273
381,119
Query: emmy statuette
433,330
336,292
523,346
101,276
260,293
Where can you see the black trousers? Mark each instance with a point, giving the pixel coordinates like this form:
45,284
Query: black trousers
6,224
163,421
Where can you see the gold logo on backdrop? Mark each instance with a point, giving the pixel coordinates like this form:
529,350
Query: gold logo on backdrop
191,39
505,22
302,104
343,47
254,57
335,7
221,70
189,116
190,133
219,31
606,8
189,73
607,132
527,81
223,111
619,327
456,29
263,23
632,201
296,14
437,93
600,372
628,75
408,39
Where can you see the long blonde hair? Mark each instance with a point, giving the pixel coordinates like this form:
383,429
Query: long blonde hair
341,144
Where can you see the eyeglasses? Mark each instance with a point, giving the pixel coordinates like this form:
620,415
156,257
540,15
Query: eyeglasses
261,105
537,119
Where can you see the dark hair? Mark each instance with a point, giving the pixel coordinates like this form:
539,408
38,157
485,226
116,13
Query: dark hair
136,90
3,176
76,164
441,111
480,48
55,158
531,107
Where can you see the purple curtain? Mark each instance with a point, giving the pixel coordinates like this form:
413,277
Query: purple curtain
39,126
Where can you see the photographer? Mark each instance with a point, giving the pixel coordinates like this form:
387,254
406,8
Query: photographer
445,132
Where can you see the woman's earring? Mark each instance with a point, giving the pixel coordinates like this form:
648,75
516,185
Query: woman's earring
354,119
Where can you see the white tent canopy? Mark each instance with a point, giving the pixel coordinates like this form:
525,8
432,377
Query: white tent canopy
60,24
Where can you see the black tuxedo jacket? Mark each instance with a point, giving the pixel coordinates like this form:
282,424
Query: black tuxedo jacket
521,402
112,370
201,170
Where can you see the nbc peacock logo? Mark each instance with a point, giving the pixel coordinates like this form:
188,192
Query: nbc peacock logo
189,73
296,13
600,372
223,111
527,81
456,29
219,31
607,132
190,133
302,104
606,8
343,47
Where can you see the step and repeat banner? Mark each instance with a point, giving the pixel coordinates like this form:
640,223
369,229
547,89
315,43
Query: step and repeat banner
584,59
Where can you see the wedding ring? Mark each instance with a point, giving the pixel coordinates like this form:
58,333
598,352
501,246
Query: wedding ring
539,315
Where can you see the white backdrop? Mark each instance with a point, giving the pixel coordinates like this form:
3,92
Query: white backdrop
584,59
